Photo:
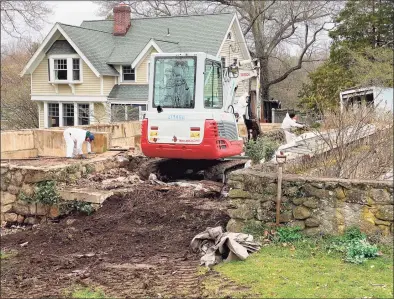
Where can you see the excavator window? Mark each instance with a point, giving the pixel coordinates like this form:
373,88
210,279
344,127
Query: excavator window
174,82
213,86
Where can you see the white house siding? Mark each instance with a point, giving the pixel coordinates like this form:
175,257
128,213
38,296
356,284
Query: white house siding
40,84
40,114
142,69
108,84
91,83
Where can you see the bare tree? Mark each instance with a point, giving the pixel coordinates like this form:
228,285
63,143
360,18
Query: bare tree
17,109
275,25
354,143
19,16
156,8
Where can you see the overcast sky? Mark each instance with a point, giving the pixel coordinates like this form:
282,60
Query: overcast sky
68,12
72,12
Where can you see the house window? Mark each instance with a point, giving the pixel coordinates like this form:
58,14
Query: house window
118,112
66,69
68,114
83,114
229,36
126,112
60,68
128,73
53,115
213,88
76,69
223,59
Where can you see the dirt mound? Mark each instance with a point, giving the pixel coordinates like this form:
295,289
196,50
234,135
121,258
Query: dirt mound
136,244
109,179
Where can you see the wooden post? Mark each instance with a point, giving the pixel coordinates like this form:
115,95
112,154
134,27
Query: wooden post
280,159
279,194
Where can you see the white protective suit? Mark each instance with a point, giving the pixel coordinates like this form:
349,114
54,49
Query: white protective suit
287,125
240,107
75,138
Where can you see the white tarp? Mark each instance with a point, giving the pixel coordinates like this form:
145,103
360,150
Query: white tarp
213,244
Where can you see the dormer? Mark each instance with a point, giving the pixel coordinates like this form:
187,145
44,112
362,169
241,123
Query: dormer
64,64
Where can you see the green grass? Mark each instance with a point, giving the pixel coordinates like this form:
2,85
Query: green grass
80,292
306,270
6,255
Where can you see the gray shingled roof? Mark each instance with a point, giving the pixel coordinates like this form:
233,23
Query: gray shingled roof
201,33
95,45
128,92
61,47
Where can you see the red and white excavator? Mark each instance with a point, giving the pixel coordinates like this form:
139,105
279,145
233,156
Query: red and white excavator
190,113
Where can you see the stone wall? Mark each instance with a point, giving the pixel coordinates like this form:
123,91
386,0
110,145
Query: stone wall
23,179
317,205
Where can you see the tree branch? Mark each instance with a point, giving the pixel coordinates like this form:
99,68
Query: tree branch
300,60
246,31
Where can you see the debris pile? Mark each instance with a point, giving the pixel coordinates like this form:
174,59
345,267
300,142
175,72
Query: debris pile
216,246
201,188
110,179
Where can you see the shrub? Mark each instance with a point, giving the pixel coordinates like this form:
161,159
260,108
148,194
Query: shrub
46,193
355,246
262,148
360,250
80,206
288,234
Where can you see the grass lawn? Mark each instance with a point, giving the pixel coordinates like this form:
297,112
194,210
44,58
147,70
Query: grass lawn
84,292
304,270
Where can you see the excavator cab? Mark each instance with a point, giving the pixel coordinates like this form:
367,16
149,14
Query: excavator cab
188,114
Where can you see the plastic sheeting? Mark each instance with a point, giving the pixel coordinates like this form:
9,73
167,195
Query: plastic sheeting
216,246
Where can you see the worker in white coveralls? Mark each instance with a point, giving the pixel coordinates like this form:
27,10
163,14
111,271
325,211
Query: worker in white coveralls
75,138
288,124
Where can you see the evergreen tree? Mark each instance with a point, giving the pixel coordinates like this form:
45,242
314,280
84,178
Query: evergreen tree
361,53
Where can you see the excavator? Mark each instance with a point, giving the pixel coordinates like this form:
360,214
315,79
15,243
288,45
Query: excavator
190,120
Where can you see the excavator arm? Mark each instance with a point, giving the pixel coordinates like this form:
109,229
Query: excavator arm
234,75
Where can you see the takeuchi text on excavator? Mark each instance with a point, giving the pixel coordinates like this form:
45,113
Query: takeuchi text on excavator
190,113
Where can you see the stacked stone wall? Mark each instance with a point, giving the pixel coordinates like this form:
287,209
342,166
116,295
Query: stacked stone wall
18,180
317,205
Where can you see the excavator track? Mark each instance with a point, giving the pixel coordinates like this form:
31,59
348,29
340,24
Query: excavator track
173,169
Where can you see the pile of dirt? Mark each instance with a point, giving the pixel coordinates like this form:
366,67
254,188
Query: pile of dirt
135,245
109,179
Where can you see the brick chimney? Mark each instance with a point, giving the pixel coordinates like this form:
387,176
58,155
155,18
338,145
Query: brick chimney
122,19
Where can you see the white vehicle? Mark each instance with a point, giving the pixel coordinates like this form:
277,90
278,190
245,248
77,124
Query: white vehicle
190,113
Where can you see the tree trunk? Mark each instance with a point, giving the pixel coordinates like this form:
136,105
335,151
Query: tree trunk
264,86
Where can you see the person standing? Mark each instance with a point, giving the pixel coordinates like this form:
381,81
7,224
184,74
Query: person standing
74,139
248,117
288,124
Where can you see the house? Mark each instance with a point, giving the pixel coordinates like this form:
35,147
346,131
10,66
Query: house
98,72
379,97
